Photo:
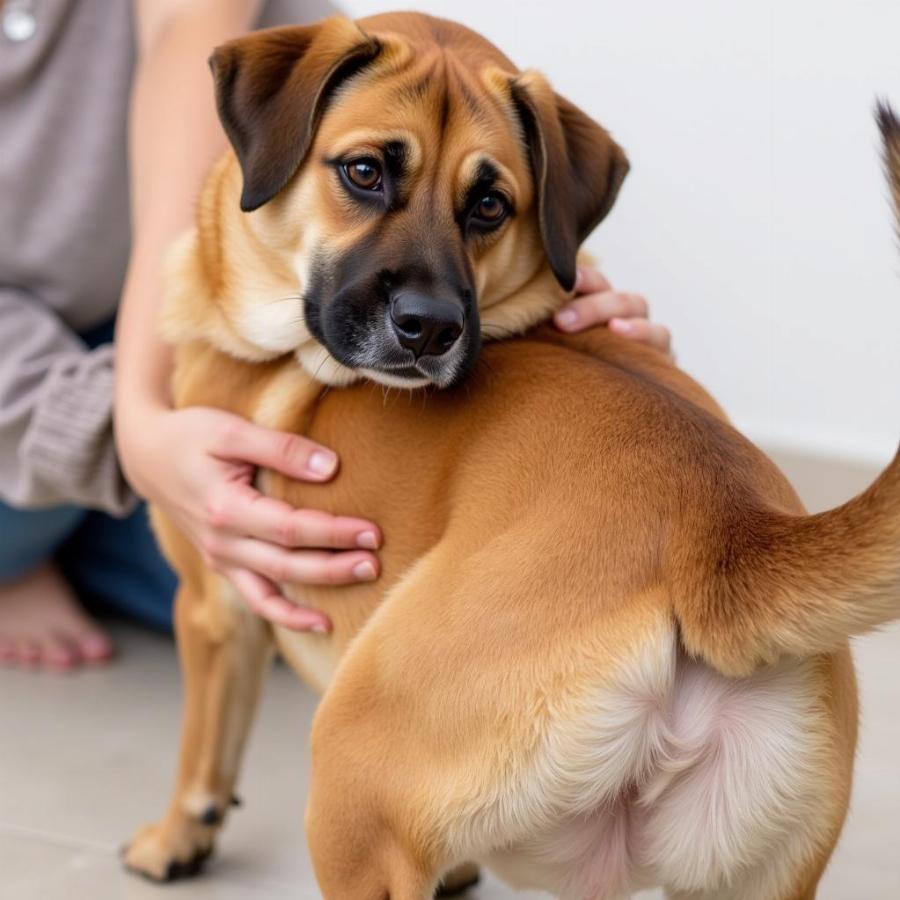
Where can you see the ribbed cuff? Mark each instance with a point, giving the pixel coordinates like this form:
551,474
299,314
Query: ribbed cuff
69,445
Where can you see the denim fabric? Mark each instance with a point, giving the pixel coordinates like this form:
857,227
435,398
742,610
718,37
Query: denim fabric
31,536
113,564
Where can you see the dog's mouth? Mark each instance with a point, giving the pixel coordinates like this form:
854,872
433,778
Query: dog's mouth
398,367
414,373
398,376
407,341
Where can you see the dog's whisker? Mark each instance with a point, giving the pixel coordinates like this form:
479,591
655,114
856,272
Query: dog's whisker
294,297
322,363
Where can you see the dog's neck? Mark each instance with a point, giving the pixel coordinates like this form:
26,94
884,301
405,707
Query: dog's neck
529,305
208,272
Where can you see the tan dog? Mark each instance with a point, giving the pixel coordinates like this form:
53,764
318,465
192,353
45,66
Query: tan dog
607,650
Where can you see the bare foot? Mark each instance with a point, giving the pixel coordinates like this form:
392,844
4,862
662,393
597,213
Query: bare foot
43,625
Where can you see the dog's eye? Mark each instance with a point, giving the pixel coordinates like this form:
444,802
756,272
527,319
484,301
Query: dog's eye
364,173
491,209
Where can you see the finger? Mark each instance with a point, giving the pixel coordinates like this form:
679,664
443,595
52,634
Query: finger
245,512
300,566
290,454
598,309
591,281
266,601
644,331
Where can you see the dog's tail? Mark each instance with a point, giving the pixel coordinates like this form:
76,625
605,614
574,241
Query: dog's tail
890,136
801,585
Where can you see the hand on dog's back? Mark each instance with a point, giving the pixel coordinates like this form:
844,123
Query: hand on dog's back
598,303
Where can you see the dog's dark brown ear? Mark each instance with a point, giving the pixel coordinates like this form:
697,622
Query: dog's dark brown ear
271,90
578,170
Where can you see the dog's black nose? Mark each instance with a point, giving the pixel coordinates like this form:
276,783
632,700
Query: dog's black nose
426,325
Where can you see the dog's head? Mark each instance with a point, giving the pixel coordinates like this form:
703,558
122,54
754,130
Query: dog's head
420,188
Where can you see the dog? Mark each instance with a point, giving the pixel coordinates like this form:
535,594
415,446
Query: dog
608,649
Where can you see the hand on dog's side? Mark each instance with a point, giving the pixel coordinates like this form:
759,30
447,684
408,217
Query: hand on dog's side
204,462
625,313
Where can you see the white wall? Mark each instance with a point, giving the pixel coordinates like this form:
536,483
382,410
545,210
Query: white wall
755,217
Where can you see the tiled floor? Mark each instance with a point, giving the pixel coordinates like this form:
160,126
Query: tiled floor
85,759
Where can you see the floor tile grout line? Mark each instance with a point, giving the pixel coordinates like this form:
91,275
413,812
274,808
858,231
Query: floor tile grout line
58,840
111,851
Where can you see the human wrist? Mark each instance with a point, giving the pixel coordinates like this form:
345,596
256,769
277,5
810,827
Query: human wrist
138,428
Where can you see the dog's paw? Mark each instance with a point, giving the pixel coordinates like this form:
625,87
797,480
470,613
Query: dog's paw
165,854
458,881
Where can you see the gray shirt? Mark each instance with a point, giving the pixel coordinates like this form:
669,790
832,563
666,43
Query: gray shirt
64,241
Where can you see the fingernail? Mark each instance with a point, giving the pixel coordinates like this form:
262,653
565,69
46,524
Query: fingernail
579,277
367,540
319,628
322,462
623,326
567,318
364,571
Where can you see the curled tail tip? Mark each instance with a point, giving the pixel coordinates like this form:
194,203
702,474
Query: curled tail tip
889,125
887,120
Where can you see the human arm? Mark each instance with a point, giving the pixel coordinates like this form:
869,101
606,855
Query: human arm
206,487
56,442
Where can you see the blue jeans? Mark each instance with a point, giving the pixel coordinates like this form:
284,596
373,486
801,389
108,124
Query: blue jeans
113,564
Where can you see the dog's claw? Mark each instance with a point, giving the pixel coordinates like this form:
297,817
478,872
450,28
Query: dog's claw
178,870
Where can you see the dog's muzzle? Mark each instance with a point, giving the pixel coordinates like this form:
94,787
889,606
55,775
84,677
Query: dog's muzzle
396,331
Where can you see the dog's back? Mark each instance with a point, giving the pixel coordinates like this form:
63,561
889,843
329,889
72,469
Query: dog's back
629,469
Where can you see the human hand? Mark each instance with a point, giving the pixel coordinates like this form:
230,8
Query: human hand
597,303
206,488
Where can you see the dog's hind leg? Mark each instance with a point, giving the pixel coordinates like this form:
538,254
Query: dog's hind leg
422,741
224,650
368,783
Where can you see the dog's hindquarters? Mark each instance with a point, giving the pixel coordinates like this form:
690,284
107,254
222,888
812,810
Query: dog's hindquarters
477,737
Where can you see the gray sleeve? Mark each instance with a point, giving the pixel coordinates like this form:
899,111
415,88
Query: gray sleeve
56,437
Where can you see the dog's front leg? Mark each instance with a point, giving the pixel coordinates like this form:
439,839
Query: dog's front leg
224,651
